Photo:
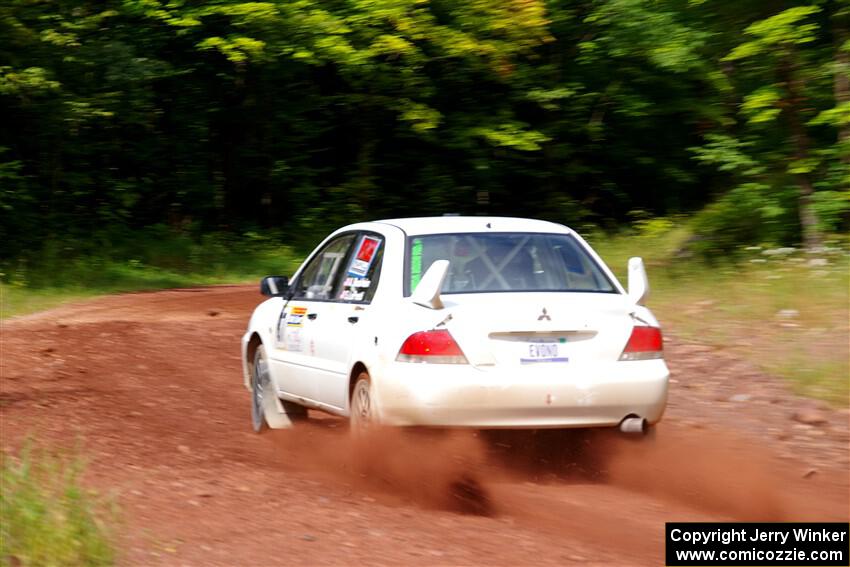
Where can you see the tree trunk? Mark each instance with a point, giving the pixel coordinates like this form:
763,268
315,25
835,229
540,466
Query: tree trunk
800,141
365,178
841,81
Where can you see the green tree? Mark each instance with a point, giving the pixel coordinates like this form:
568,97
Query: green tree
298,116
784,59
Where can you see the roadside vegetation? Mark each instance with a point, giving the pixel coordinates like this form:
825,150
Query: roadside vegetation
155,258
785,309
47,518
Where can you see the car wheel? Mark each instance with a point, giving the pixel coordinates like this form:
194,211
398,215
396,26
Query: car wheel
263,405
259,383
363,414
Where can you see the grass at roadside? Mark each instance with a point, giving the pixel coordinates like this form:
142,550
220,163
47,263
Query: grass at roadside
785,310
46,517
18,300
161,261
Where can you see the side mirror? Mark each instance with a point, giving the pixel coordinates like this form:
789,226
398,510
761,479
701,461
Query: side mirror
638,282
274,286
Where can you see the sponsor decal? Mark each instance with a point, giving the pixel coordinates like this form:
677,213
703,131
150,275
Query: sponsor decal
292,339
357,282
296,317
351,295
288,336
353,289
415,263
362,261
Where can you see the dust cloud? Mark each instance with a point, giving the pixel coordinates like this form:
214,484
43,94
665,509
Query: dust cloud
459,470
433,469
710,471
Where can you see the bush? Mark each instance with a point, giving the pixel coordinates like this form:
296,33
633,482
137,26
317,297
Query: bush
752,213
149,258
46,517
832,209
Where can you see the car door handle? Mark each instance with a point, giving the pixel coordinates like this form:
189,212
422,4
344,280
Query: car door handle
353,319
312,316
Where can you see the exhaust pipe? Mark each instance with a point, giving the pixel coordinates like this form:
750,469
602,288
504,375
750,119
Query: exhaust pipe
634,425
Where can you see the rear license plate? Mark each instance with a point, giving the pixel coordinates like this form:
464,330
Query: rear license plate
543,352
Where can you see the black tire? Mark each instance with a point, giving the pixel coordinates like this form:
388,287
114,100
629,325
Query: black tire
363,415
259,379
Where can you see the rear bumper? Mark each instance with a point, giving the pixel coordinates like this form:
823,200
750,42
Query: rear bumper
447,395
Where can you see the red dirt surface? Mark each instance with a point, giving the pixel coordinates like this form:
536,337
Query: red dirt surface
149,387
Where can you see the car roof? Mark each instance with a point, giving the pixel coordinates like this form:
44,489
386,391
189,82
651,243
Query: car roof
452,224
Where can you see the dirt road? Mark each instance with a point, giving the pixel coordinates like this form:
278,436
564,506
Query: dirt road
150,386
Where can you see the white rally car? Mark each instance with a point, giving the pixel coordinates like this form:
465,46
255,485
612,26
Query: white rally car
477,322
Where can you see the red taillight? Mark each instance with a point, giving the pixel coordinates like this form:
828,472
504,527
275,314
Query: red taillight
645,343
431,346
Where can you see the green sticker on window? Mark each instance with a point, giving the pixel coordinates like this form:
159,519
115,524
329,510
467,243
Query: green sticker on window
415,263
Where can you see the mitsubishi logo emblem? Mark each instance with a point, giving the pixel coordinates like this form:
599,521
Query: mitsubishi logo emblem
544,316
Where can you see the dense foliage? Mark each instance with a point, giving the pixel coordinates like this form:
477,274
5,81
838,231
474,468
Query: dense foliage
297,115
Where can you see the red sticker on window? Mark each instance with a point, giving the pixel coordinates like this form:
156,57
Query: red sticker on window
367,249
365,254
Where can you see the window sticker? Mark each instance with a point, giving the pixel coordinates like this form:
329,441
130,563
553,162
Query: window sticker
352,295
365,255
357,282
353,289
415,263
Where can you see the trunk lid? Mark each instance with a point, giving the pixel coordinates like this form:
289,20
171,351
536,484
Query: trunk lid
532,330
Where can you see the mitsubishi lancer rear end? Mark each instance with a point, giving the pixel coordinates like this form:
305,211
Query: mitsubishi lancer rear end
512,323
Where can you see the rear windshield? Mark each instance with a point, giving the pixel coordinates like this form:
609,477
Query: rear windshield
499,262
